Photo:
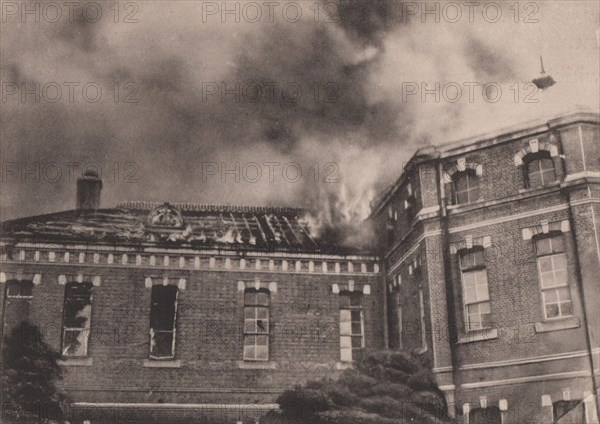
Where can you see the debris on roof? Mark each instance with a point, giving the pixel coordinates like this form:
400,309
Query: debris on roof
228,227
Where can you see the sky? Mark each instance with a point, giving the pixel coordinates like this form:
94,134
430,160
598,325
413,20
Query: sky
314,104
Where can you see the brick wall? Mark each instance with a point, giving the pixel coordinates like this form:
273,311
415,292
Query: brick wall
304,338
519,352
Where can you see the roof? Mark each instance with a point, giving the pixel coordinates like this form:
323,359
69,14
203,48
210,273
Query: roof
177,225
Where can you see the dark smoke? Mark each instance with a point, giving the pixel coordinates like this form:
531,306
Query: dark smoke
173,129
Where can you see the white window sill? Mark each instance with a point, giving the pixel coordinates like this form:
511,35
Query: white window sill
158,363
478,336
464,205
421,350
257,365
344,365
565,323
76,362
555,183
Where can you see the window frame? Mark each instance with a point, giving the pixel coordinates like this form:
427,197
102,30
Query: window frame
566,407
469,174
152,331
474,269
20,284
351,308
538,158
422,320
488,413
556,288
86,329
400,327
255,306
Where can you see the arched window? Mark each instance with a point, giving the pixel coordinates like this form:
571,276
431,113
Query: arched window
539,170
465,187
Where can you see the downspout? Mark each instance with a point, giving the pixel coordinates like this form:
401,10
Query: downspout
580,285
452,327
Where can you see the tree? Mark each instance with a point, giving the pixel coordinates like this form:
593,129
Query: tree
30,371
385,387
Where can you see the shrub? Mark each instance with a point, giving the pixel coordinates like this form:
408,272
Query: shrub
30,370
302,403
385,387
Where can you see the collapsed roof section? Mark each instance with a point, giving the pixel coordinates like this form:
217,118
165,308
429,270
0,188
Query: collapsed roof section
190,225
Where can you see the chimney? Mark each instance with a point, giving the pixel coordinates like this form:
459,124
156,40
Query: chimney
88,191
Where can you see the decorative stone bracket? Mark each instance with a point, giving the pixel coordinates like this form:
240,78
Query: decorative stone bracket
461,166
165,281
351,287
469,242
257,284
21,276
546,227
78,278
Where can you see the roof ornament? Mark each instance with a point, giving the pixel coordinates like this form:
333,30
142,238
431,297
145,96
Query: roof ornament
165,215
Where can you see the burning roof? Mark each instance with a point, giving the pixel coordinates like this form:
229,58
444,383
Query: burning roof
192,225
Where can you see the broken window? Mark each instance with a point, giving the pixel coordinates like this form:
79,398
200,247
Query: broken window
256,325
163,317
16,289
568,412
76,319
18,299
351,325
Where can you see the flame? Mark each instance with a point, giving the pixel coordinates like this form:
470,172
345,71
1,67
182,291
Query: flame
339,216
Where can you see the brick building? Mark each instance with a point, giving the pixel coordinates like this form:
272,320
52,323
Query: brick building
487,268
491,269
165,312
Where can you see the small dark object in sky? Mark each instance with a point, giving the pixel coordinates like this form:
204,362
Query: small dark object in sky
544,81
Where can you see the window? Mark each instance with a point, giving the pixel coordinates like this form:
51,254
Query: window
77,313
466,188
476,296
18,299
392,214
400,328
415,266
491,415
351,325
422,317
552,269
568,412
256,325
163,319
16,289
539,170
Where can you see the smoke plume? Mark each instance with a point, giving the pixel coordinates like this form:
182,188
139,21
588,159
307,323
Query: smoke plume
323,94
